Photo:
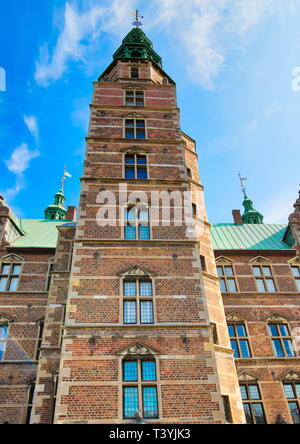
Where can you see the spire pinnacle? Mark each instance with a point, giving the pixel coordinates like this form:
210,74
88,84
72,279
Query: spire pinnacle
250,216
137,23
243,180
57,210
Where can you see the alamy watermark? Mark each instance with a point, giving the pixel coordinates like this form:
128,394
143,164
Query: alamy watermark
2,80
296,339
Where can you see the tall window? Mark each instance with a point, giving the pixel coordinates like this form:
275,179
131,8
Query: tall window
227,408
135,98
137,223
30,403
139,388
135,129
281,340
3,340
138,302
49,276
227,279
296,273
136,167
135,74
254,410
39,339
264,279
10,276
292,393
239,340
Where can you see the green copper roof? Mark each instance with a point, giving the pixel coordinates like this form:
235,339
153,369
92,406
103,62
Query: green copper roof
137,46
249,237
57,211
40,233
251,216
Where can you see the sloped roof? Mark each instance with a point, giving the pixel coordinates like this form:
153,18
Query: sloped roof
249,237
39,233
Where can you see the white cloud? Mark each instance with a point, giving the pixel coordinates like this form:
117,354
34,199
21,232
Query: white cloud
18,164
78,38
278,209
31,123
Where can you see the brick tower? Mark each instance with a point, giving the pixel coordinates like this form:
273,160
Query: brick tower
145,329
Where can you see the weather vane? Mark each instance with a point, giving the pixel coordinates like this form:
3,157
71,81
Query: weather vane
137,23
63,179
243,180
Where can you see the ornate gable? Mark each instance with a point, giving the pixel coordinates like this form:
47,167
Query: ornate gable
260,260
134,115
135,150
136,271
233,317
295,260
223,260
291,375
12,258
246,377
275,317
137,349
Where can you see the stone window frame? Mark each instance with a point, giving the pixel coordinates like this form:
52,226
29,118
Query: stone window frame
138,299
135,128
135,91
246,338
49,274
5,323
222,263
126,208
142,352
136,154
134,68
296,276
292,382
11,261
252,401
264,277
39,338
281,337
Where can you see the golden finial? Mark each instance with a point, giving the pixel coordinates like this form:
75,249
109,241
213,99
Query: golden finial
137,23
243,180
63,179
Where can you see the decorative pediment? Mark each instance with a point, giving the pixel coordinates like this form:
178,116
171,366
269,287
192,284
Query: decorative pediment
4,319
134,115
275,317
134,86
135,150
233,317
246,377
223,260
12,258
294,261
51,260
136,271
291,375
259,260
137,350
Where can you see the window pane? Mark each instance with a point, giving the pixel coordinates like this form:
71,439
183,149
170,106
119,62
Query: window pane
140,123
129,134
266,271
16,269
257,271
131,402
288,347
3,282
289,391
248,414
273,329
235,348
277,348
260,286
14,284
245,350
298,284
5,269
284,331
146,289
298,390
142,173
3,333
270,285
231,286
144,215
259,413
130,312
129,93
223,286
144,232
130,371
220,271
140,134
130,102
241,331
142,160
129,123
295,413
129,160
228,271
129,173
130,233
296,271
150,403
148,371
254,392
231,331
244,392
130,288
147,315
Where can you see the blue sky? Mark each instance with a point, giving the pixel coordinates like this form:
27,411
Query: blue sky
232,61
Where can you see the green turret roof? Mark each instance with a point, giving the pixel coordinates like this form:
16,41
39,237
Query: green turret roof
137,46
57,211
251,216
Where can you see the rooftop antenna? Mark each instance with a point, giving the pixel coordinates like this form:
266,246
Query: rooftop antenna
137,23
243,180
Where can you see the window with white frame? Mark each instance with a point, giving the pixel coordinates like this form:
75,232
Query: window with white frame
140,388
135,129
296,274
137,223
281,340
227,278
3,340
135,98
252,403
136,167
264,279
138,301
239,340
10,276
292,393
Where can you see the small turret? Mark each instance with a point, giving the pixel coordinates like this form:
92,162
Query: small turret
250,216
57,210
